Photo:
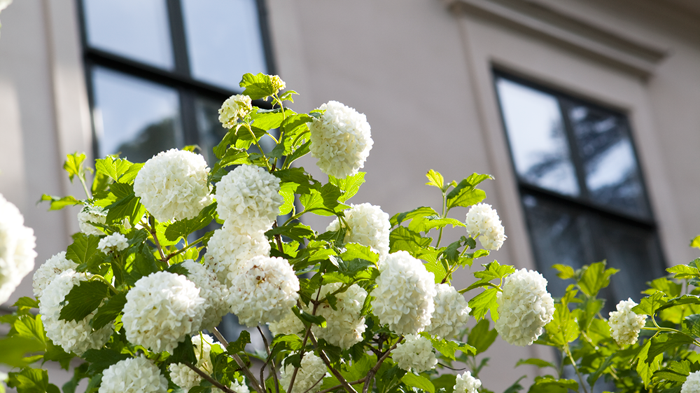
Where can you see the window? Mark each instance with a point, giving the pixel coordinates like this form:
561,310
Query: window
158,71
581,186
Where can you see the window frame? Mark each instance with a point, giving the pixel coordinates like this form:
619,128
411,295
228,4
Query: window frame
580,203
179,78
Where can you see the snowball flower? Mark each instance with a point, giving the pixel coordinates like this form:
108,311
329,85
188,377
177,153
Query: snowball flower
239,387
524,307
466,383
289,324
135,375
415,353
404,294
345,325
340,140
277,83
368,225
248,197
230,248
211,290
264,292
91,214
72,336
625,324
692,383
112,243
483,220
451,312
311,371
234,108
185,377
161,310
53,266
173,185
17,244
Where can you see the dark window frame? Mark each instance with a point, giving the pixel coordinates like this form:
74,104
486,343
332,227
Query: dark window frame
179,78
580,203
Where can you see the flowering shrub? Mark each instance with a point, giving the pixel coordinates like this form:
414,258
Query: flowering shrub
366,305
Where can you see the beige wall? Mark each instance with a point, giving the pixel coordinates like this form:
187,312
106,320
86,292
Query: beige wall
421,72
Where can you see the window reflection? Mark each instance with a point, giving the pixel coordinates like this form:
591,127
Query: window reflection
132,28
133,116
537,138
223,40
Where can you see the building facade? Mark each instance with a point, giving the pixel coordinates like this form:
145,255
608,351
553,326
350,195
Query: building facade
585,112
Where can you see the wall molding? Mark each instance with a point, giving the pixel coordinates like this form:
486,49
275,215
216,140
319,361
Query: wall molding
556,23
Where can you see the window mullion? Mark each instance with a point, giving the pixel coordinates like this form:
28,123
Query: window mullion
573,150
177,34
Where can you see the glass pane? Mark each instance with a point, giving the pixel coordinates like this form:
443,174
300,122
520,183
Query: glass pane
559,235
133,28
537,138
223,40
612,174
133,116
633,250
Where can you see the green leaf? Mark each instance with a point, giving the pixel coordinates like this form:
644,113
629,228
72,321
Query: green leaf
84,250
267,119
682,272
178,268
302,181
484,302
466,193
565,272
594,376
692,323
645,368
425,224
56,354
183,228
30,327
30,380
348,186
481,337
449,347
294,230
595,277
239,345
26,303
446,382
15,348
358,251
257,86
301,151
435,179
58,203
419,212
551,385
418,381
184,352
308,318
83,299
125,205
109,311
403,238
120,170
666,342
74,164
516,386
648,305
563,328
695,242
536,362
101,359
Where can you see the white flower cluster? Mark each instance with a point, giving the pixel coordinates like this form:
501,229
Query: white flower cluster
466,383
483,220
524,307
248,197
72,336
185,377
345,325
17,253
625,324
692,383
289,324
451,312
368,225
230,247
53,266
311,371
340,140
415,353
135,375
404,294
239,387
234,108
91,214
264,292
161,310
277,83
173,185
113,243
211,290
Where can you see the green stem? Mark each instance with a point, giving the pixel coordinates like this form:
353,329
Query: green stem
573,363
442,215
252,134
81,177
180,251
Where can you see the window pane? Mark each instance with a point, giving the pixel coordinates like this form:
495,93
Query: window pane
210,130
132,28
537,138
133,116
223,40
612,174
